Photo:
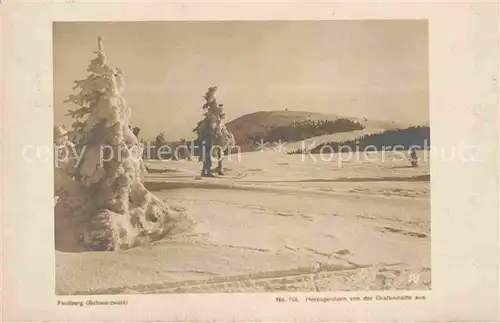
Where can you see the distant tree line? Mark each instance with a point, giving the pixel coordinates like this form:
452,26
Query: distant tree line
418,137
301,130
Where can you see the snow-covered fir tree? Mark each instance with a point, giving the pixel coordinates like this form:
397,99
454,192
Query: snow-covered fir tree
102,203
213,126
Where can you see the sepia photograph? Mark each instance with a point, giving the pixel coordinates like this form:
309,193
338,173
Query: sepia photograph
241,156
201,161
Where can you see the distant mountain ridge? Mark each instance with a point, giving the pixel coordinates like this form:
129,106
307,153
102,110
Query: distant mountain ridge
258,124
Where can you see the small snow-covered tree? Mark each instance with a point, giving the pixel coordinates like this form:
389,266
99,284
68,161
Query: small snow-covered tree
160,147
106,204
212,125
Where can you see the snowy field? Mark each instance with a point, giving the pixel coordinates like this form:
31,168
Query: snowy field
290,224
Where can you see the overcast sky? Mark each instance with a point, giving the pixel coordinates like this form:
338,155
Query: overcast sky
372,69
